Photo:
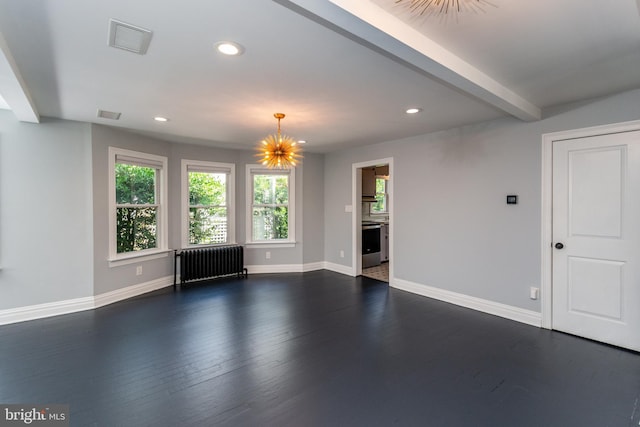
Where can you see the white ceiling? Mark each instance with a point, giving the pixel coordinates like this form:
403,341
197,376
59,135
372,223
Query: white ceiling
343,71
3,104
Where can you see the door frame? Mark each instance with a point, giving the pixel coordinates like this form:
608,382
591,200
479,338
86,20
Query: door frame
356,216
547,204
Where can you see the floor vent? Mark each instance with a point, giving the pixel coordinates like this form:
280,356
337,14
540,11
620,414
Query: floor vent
129,37
108,115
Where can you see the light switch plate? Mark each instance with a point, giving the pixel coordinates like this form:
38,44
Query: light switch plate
533,292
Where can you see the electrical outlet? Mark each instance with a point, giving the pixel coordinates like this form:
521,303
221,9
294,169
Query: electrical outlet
139,270
268,255
341,254
534,292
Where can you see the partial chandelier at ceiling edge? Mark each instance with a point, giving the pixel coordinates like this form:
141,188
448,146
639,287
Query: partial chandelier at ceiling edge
444,7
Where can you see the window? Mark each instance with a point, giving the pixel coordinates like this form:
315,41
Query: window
270,205
208,203
380,206
137,195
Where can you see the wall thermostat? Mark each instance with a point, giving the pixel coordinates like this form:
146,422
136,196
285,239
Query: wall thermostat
512,200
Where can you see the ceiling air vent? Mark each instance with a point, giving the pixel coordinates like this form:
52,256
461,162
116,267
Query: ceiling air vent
129,37
108,115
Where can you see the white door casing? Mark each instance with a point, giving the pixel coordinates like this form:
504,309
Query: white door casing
356,216
595,276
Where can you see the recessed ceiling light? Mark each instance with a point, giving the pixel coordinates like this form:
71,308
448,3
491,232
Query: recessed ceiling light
413,110
229,48
160,119
302,141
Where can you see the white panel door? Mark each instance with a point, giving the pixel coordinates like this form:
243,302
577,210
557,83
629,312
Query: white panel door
596,238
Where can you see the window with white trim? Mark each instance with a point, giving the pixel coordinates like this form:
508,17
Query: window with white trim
137,201
270,205
208,208
380,206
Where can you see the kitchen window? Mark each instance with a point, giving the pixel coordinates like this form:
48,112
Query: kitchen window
380,205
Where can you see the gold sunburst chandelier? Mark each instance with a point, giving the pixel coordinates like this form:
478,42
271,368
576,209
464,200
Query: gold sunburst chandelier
278,151
443,7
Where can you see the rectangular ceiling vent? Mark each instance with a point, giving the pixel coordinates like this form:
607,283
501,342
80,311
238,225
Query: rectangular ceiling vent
129,37
108,115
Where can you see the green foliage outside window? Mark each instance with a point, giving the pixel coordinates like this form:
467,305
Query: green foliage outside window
270,207
207,208
380,206
136,208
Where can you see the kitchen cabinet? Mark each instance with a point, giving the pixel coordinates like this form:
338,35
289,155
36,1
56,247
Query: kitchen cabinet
382,170
368,182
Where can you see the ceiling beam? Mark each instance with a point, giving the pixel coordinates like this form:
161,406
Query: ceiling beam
386,34
13,88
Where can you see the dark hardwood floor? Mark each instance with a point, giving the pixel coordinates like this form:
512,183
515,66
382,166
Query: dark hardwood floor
312,349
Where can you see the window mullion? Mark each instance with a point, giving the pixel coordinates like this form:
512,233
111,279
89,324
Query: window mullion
136,205
207,206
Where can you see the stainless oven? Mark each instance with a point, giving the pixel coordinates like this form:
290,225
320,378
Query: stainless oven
370,244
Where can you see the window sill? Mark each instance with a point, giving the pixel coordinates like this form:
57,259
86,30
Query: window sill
270,245
138,257
206,245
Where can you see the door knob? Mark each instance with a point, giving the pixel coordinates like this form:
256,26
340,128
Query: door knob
559,246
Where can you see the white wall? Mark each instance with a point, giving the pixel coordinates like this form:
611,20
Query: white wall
46,224
452,227
195,152
54,242
312,187
304,208
108,278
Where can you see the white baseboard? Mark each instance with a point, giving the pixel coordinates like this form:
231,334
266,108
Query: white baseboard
338,268
313,266
132,291
274,268
521,315
40,311
285,268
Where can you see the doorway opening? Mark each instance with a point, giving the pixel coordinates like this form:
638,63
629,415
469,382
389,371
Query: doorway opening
373,219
